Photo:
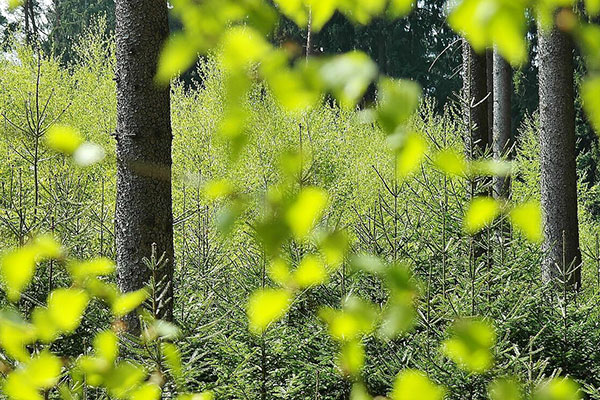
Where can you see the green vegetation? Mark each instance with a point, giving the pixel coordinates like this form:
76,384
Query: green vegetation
321,249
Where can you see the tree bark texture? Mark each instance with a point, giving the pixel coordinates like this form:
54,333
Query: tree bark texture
143,209
501,127
557,157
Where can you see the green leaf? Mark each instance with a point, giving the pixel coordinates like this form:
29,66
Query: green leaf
409,382
310,272
17,387
242,46
451,162
470,345
124,379
348,76
527,218
172,358
14,4
128,302
266,306
279,272
481,212
590,93
177,55
304,213
43,371
558,389
399,313
410,155
505,389
196,396
592,7
63,139
81,270
147,391
397,102
66,307
16,268
359,392
106,346
352,357
400,8
15,334
356,318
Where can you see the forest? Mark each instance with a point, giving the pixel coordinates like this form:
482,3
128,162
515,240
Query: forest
300,199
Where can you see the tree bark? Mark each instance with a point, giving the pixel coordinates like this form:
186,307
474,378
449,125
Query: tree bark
143,209
501,127
557,153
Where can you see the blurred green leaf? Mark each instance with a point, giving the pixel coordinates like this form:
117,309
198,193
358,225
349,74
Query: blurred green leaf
527,218
397,102
106,346
470,345
266,306
399,8
172,358
410,155
310,272
356,318
558,389
409,382
352,357
126,303
66,307
306,210
480,213
63,139
177,55
505,389
590,93
124,379
147,391
451,162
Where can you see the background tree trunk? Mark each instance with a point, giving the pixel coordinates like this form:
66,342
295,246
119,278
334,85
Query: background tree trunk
501,127
143,208
557,152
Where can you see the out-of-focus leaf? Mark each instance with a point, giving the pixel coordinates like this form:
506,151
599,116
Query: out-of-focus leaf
15,334
481,212
592,7
88,154
218,189
310,272
588,39
411,384
66,307
470,345
527,218
147,391
352,357
491,167
558,389
451,162
590,92
279,272
124,379
399,312
397,102
399,8
196,396
333,247
63,139
177,55
241,47
128,302
356,318
100,266
307,209
505,389
172,358
348,76
106,346
410,155
359,392
43,370
266,306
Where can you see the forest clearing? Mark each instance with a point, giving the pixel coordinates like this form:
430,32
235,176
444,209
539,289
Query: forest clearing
300,199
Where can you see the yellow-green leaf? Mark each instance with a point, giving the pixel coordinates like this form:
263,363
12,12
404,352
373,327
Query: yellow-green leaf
63,139
527,218
470,345
172,358
592,7
147,391
266,306
399,8
242,46
558,389
356,318
505,389
106,346
124,379
279,272
451,162
177,55
100,266
310,272
16,268
304,213
66,307
410,155
128,302
481,212
352,357
43,371
590,92
397,101
409,382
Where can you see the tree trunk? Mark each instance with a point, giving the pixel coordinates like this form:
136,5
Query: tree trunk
501,127
557,153
143,209
475,96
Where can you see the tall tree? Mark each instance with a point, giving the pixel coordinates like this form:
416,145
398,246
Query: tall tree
475,102
501,126
143,209
557,153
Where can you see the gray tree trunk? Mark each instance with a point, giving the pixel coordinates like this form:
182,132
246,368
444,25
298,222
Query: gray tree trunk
501,127
143,210
476,97
557,153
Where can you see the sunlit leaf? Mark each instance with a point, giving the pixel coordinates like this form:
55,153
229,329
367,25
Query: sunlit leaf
147,391
266,306
590,93
352,357
17,268
334,247
66,307
196,396
397,101
527,218
348,76
359,392
63,139
241,47
310,272
491,167
172,358
100,266
481,212
356,318
470,345
124,379
43,370
362,11
217,189
177,55
409,382
15,334
106,346
451,162
304,213
592,7
399,8
505,389
410,155
279,272
17,387
558,389
399,313
128,302
14,4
